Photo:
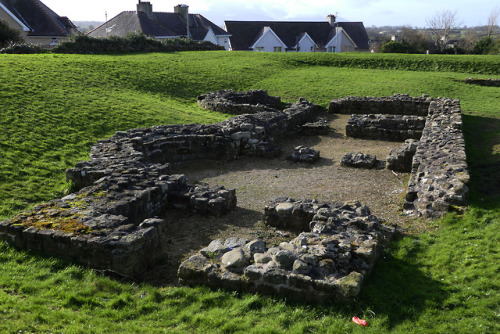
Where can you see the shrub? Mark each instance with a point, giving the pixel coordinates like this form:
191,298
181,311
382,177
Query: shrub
82,44
8,35
23,48
484,46
397,47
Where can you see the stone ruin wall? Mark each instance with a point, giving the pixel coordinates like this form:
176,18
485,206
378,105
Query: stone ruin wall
337,248
483,82
439,175
112,222
236,103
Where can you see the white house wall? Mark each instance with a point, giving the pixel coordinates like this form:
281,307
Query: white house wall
306,45
224,41
210,37
268,42
341,43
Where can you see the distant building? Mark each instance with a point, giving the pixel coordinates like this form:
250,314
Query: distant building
162,25
275,36
36,23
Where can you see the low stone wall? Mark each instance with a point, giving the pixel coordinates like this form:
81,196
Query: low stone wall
399,104
329,260
110,223
385,127
439,176
483,82
400,159
231,102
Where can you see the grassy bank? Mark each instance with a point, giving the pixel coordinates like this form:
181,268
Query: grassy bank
54,107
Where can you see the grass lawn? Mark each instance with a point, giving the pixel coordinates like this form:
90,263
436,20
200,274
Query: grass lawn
54,107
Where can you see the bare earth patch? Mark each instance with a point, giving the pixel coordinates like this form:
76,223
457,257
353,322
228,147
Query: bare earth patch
259,181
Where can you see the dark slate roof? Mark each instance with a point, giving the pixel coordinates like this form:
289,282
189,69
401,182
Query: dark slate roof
245,33
161,25
40,19
357,31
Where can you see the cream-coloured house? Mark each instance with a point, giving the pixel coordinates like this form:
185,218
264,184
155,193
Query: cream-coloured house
36,22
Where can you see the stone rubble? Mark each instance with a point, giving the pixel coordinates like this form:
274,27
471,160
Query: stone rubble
304,154
359,160
328,260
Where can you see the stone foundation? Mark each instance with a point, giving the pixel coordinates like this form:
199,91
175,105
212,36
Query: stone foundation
111,222
483,82
385,127
231,102
439,175
329,260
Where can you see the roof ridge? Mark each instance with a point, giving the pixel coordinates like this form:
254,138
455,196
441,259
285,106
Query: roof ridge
48,12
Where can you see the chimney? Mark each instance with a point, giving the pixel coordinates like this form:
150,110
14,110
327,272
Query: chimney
183,11
145,7
331,19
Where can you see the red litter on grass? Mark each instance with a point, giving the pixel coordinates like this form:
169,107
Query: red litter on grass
359,321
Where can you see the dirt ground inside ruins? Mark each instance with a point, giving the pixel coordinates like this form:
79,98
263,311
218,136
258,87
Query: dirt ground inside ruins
259,181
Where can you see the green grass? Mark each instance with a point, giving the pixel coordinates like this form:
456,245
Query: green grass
54,107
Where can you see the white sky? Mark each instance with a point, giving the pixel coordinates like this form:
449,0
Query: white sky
371,12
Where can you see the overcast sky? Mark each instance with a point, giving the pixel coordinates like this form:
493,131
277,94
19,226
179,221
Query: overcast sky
371,12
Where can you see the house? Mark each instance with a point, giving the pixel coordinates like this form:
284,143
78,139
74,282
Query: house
162,25
36,23
275,36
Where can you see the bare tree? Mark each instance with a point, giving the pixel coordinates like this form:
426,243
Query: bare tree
441,26
492,20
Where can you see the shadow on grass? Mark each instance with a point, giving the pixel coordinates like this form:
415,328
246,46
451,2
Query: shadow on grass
482,144
400,289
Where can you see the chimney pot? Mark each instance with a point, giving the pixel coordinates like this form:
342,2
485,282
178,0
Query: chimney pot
145,7
331,19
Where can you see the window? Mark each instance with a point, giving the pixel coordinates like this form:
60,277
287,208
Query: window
53,41
277,49
312,48
331,49
259,49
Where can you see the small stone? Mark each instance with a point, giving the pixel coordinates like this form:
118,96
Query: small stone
284,259
234,260
261,258
350,285
300,266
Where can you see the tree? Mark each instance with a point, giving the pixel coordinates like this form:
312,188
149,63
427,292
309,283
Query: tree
8,35
484,46
416,38
441,26
396,47
492,20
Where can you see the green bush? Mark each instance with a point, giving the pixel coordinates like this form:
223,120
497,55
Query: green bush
484,46
397,47
82,44
8,35
23,48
